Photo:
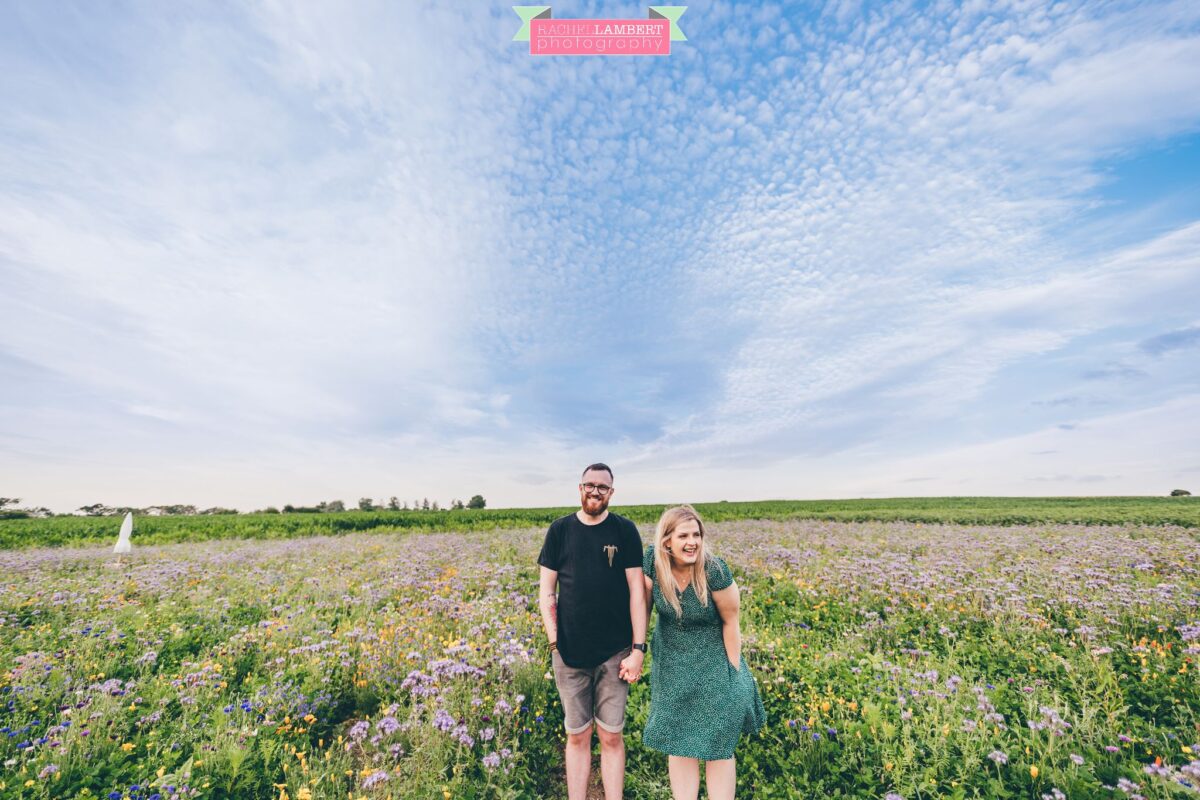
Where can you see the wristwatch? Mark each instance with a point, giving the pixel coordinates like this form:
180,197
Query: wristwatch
641,647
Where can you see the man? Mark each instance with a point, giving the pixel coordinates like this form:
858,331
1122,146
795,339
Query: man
596,626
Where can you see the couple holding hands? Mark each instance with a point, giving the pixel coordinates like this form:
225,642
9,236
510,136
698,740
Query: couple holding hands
597,588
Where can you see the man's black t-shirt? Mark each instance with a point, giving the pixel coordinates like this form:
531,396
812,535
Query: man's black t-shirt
593,594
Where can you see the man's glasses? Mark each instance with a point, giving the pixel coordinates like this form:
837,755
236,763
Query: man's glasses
599,488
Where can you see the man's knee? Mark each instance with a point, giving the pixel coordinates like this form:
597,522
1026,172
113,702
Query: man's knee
609,739
583,738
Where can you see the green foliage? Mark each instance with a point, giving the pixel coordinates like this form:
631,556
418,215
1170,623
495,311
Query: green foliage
892,657
69,530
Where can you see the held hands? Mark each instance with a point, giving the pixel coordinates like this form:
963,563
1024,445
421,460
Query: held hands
631,666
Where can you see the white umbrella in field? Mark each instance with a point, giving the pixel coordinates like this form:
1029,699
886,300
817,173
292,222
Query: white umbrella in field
123,544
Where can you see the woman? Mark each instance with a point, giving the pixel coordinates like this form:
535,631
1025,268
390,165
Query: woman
702,696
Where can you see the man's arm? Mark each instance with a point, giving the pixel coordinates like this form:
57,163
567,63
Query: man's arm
548,602
631,666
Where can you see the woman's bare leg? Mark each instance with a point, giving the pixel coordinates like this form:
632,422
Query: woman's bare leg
721,779
685,777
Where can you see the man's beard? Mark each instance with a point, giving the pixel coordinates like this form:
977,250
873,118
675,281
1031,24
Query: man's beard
603,506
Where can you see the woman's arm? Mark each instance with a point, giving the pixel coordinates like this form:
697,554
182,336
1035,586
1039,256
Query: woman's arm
649,596
728,602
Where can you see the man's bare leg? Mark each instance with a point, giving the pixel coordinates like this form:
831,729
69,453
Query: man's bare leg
612,763
579,763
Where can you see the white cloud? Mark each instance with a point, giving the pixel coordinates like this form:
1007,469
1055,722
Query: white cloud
300,250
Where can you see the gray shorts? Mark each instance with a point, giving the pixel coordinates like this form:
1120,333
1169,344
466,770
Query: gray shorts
592,693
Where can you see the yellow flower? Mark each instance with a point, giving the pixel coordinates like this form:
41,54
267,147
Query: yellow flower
888,766
128,746
825,706
1033,772
304,794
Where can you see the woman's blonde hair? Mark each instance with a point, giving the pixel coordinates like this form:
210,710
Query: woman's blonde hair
667,524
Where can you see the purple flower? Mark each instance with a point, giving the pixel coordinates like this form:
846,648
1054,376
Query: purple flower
374,779
491,760
443,721
998,757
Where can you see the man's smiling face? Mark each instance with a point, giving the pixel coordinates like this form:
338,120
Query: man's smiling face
595,490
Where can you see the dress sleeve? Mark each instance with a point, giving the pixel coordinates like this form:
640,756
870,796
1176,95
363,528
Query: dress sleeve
648,561
718,573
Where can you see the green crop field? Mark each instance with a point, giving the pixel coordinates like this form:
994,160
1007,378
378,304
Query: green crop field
1181,511
895,659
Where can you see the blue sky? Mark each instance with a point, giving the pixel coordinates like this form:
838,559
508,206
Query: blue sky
270,253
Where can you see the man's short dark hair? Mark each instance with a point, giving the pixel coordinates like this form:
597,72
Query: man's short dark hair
598,468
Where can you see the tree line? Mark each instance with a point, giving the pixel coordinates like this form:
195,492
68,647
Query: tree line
9,509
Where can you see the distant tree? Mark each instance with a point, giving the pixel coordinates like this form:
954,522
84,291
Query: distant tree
8,501
41,512
270,510
393,504
289,508
96,510
219,510
425,504
477,501
434,506
1180,493
366,504
334,506
172,509
406,505
456,505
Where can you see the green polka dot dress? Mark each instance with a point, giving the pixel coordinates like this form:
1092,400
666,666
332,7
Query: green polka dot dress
699,704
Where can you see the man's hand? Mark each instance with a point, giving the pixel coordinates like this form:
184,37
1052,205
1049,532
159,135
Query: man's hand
631,666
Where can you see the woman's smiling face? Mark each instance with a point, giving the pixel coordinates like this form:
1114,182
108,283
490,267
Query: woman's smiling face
686,543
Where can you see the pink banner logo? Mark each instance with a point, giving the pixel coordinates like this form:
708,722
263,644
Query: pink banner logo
600,37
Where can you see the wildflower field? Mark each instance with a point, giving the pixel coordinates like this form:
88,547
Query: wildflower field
896,659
